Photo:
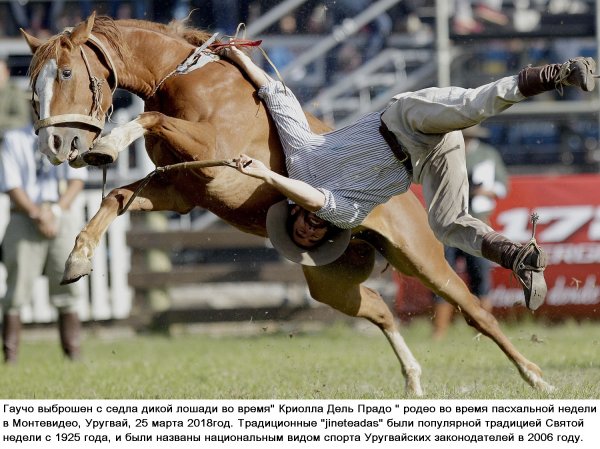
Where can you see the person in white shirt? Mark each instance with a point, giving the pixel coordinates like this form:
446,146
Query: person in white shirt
337,178
14,105
39,236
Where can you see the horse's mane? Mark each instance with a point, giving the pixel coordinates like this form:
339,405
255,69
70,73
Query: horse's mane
107,28
175,28
194,36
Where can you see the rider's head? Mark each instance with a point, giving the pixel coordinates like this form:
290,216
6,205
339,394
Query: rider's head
306,229
302,237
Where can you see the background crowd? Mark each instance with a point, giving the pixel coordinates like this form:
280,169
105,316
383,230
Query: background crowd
312,17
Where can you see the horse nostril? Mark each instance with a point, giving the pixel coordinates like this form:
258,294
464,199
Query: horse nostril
56,142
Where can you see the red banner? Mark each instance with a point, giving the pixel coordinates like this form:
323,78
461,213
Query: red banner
568,230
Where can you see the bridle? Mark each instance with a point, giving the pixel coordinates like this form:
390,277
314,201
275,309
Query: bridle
96,117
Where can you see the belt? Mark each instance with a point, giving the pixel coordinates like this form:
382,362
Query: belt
397,149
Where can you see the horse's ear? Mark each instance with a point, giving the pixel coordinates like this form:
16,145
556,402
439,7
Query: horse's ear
33,42
81,32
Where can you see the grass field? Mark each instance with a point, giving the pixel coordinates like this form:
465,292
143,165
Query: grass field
340,361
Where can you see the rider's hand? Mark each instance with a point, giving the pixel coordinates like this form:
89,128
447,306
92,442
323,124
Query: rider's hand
251,167
257,75
233,53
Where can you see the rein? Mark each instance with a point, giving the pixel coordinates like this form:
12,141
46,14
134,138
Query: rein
204,54
178,166
207,52
235,41
196,60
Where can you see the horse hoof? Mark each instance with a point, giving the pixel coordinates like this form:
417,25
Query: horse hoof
100,154
75,269
545,387
413,388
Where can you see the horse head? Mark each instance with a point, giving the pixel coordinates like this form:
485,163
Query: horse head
72,77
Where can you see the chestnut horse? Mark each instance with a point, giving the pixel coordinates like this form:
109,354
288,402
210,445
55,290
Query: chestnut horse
213,113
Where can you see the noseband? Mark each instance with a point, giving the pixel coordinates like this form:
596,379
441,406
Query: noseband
96,118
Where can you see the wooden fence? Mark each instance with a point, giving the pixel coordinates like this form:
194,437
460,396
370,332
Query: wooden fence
122,280
237,287
237,277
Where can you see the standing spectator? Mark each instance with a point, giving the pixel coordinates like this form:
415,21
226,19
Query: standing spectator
487,183
14,109
39,236
470,15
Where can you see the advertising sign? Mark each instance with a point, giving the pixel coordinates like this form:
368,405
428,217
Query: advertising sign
568,229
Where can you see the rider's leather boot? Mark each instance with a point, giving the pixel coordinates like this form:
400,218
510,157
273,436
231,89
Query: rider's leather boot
577,72
526,261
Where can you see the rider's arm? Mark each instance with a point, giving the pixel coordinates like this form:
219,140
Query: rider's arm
292,125
257,75
298,191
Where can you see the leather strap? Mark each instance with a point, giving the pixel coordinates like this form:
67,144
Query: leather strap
68,118
397,149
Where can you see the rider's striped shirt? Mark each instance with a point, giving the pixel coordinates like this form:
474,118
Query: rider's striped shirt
353,166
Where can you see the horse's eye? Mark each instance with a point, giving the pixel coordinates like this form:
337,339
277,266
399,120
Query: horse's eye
65,74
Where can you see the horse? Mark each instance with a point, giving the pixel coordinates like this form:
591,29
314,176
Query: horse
214,113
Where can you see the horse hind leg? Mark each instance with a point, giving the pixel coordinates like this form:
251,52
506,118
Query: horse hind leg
370,305
339,286
422,256
443,281
486,323
373,308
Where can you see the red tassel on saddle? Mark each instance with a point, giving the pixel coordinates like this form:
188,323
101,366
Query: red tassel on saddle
237,42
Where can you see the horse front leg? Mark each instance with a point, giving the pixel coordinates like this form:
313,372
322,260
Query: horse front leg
156,196
193,140
339,286
107,148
